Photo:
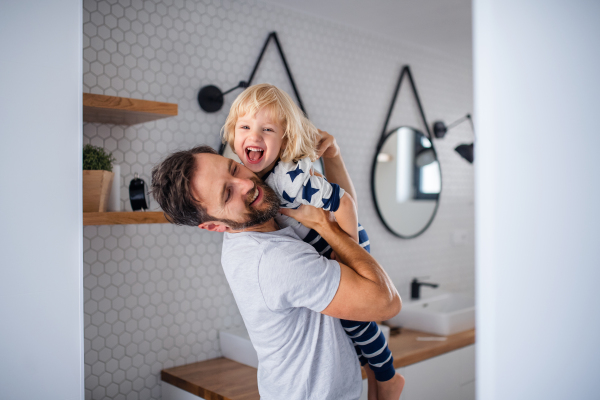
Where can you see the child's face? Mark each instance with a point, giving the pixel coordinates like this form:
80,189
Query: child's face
258,141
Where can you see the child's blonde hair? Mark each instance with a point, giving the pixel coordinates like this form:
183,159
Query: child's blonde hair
299,134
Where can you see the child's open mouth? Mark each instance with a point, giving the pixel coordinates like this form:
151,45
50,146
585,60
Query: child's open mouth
254,154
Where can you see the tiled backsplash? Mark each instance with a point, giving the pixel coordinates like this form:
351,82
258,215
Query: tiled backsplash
155,295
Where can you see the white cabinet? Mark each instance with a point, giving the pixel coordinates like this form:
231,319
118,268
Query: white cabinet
170,392
450,376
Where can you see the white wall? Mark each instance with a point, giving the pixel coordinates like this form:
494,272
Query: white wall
443,25
537,191
41,334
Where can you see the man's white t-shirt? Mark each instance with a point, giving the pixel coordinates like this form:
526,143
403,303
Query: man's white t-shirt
281,285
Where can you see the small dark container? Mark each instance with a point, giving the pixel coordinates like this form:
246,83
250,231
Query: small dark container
138,194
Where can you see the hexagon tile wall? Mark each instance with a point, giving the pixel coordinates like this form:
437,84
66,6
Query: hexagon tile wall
155,295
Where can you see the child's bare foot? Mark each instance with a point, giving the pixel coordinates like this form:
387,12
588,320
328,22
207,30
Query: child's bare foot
392,389
371,383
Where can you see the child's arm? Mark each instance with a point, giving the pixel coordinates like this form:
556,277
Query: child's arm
346,216
335,169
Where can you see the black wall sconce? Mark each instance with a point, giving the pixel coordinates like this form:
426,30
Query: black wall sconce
210,97
466,150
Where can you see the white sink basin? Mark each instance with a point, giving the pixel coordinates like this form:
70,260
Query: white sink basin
444,314
236,345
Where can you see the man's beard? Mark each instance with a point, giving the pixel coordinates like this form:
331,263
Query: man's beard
254,216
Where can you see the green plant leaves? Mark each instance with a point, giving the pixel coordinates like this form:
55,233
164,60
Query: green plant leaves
96,158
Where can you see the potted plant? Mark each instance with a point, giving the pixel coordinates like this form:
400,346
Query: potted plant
97,178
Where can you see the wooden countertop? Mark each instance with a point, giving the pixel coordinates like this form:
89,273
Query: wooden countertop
407,350
216,379
223,379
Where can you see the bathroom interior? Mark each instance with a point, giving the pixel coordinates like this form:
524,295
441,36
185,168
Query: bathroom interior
475,247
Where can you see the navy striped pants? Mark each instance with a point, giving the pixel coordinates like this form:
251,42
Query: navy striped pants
371,347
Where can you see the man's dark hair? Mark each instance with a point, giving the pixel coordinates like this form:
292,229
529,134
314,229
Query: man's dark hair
172,189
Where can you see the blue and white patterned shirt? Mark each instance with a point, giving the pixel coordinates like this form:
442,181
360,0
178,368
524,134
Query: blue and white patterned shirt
295,184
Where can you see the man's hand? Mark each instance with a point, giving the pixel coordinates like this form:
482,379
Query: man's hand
309,216
312,218
327,147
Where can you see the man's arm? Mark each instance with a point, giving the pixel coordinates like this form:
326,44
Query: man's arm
365,292
335,169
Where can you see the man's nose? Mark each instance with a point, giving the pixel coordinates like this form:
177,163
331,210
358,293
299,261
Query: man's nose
245,185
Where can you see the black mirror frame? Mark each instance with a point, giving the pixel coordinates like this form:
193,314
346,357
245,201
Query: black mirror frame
383,137
379,213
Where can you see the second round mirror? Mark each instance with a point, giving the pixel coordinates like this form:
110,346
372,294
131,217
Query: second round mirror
406,182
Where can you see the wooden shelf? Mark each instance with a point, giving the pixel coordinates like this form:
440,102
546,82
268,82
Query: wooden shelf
124,218
124,111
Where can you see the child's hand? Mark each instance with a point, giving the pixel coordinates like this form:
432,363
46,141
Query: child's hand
327,147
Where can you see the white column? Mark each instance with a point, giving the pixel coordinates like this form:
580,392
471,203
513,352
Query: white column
41,317
537,91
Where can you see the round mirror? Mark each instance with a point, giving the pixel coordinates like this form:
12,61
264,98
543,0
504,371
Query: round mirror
406,182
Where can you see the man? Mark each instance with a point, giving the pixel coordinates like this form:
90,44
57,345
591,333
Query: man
289,296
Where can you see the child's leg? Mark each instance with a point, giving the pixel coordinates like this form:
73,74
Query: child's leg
384,383
371,383
374,349
392,389
367,337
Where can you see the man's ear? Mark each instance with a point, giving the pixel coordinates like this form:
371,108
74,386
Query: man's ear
214,226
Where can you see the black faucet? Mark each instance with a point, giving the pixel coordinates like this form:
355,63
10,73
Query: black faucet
415,288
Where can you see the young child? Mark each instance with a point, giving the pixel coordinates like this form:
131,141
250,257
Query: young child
273,138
